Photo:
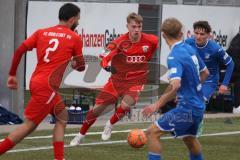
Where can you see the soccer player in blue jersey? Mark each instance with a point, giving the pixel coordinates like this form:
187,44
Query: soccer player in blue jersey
213,55
186,73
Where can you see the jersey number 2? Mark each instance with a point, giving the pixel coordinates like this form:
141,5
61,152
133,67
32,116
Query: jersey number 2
55,43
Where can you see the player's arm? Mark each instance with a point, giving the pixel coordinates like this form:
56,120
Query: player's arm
107,55
204,72
228,62
175,73
77,61
155,45
27,45
168,95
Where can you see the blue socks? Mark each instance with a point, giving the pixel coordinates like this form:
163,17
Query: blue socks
157,156
196,157
154,156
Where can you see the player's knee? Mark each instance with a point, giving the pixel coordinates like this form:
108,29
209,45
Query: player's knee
153,132
188,140
192,143
62,116
61,122
98,110
128,101
126,109
30,125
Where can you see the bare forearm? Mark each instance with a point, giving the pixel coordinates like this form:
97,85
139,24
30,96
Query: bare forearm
168,95
203,75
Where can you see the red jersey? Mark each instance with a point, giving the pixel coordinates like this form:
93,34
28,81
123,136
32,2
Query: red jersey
55,47
131,59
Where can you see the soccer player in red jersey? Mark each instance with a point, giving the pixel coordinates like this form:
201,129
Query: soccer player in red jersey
129,56
55,47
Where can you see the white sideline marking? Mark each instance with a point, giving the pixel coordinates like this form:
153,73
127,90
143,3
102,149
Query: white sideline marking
74,134
111,142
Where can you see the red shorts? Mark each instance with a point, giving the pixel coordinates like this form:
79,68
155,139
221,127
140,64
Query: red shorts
112,90
43,101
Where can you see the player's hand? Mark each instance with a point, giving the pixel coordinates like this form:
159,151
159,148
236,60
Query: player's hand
12,82
77,64
223,89
111,69
104,53
149,110
73,64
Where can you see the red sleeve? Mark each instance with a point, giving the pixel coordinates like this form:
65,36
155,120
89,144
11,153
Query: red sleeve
154,41
78,55
107,59
78,47
31,42
28,44
17,58
113,50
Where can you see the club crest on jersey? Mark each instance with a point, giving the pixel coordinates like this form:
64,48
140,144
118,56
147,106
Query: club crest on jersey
145,49
207,56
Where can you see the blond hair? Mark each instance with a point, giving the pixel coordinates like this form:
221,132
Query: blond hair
134,16
172,28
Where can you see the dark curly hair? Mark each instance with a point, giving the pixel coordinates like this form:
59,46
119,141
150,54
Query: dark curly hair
203,25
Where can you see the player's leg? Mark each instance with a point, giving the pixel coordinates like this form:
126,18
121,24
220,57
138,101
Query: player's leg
88,122
33,118
190,137
208,90
194,147
121,111
154,144
236,108
17,135
130,97
166,124
106,97
61,116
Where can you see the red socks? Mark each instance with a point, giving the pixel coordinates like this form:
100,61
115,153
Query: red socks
6,145
90,119
119,114
58,148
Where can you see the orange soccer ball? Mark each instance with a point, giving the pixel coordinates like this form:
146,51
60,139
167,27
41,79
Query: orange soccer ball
136,138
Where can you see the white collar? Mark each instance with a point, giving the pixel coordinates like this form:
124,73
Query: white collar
201,46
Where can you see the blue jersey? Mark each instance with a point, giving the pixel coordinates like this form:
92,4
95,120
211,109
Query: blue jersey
213,55
185,64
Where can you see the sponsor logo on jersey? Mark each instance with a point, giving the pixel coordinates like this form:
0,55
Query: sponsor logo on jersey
135,59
